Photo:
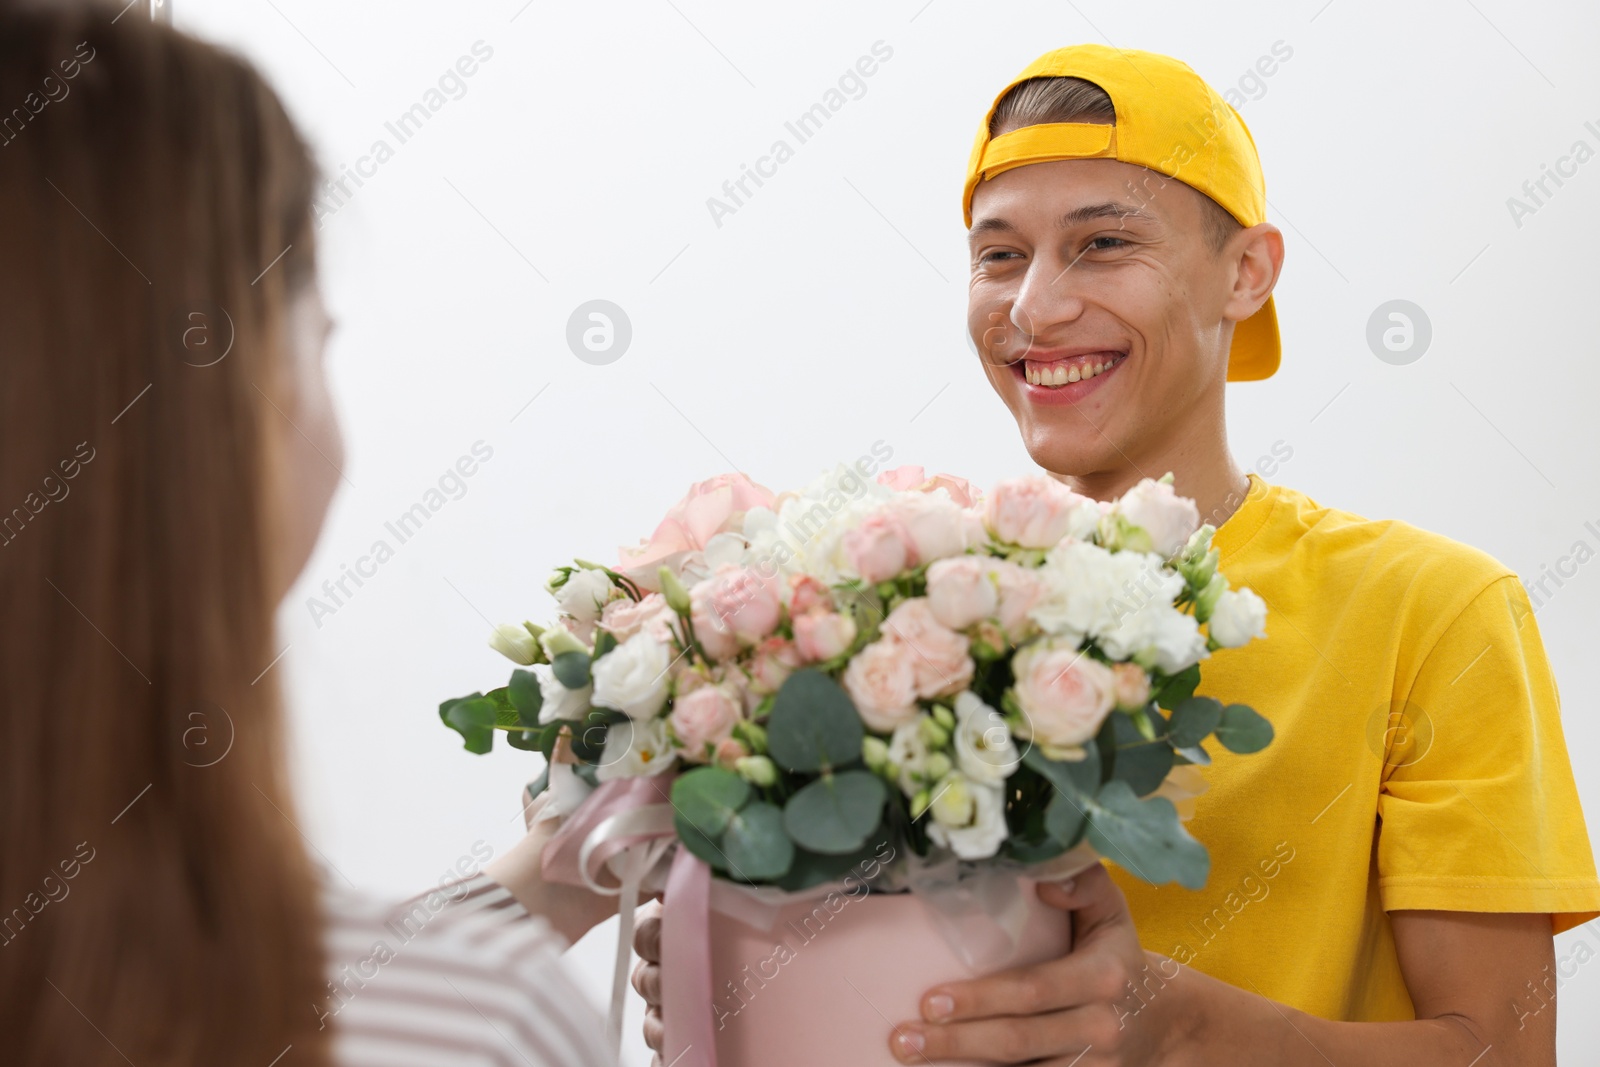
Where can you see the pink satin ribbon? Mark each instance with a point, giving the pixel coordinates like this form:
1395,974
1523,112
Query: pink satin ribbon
685,914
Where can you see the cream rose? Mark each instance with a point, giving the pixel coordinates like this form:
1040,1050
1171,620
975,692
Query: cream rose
882,683
940,657
1064,694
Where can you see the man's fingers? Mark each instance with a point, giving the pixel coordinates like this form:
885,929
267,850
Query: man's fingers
1093,898
654,1032
1064,1033
1074,979
647,932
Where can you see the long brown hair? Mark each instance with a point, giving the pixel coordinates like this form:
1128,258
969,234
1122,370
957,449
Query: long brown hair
156,902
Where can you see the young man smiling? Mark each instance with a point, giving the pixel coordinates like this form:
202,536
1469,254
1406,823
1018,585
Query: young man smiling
1413,836
1412,839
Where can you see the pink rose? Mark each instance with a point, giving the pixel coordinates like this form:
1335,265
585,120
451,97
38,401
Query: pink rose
1130,686
1064,694
932,525
1033,512
703,718
744,600
879,548
1169,519
883,684
821,635
913,478
808,594
716,505
940,659
774,660
717,638
960,591
1019,589
582,630
729,751
625,617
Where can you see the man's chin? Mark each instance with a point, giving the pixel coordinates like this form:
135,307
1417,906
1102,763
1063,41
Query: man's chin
1069,453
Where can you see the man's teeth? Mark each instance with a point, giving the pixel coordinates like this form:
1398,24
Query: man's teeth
1059,373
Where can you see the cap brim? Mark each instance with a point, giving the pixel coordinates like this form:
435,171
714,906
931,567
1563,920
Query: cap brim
1256,348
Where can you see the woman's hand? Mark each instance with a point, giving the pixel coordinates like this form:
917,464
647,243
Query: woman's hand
571,909
647,974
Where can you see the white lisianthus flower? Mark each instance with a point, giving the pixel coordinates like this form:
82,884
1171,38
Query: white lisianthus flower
1239,617
515,643
585,592
969,817
556,700
635,749
632,677
909,754
985,751
1157,635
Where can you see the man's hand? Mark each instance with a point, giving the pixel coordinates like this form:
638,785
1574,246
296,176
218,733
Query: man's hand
1080,1009
647,974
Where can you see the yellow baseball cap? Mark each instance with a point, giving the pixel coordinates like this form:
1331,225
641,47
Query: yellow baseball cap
1168,119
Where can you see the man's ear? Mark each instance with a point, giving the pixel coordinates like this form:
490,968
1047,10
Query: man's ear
1258,254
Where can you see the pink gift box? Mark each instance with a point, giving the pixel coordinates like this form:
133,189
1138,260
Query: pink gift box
828,982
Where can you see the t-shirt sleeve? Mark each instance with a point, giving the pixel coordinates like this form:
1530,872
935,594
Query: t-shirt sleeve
1478,808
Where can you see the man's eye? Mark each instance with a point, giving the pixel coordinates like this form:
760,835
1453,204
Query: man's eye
1101,244
990,257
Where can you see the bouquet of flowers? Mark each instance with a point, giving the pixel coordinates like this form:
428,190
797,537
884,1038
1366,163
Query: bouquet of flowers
985,680
1005,675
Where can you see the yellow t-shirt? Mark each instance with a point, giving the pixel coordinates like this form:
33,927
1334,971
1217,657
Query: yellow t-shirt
1418,762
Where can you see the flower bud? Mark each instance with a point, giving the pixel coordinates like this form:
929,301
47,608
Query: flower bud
559,639
919,803
672,589
752,734
757,770
938,766
1205,602
933,734
1131,686
515,643
874,752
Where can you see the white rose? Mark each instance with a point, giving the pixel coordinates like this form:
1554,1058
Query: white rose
635,749
584,594
1239,617
1168,519
515,643
557,701
985,751
969,817
632,677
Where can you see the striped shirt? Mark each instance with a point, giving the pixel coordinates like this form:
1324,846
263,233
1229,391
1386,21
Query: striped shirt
463,976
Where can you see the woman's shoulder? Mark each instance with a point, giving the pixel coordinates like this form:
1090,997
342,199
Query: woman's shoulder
460,974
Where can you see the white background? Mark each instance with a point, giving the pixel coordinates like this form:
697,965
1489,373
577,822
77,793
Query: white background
827,313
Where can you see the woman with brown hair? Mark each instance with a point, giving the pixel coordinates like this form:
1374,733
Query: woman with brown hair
168,456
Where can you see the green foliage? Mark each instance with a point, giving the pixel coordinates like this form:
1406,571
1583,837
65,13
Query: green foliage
1242,730
836,813
1145,836
814,725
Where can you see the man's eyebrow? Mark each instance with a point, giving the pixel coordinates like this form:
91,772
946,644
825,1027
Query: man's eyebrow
1109,209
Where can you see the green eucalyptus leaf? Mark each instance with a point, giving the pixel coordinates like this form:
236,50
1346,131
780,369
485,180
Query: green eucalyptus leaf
526,696
604,641
571,669
837,812
1178,688
1144,765
527,740
1193,720
1242,730
708,798
472,717
699,844
813,725
758,850
1194,754
1145,837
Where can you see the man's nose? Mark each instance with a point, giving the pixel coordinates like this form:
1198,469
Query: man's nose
1048,298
